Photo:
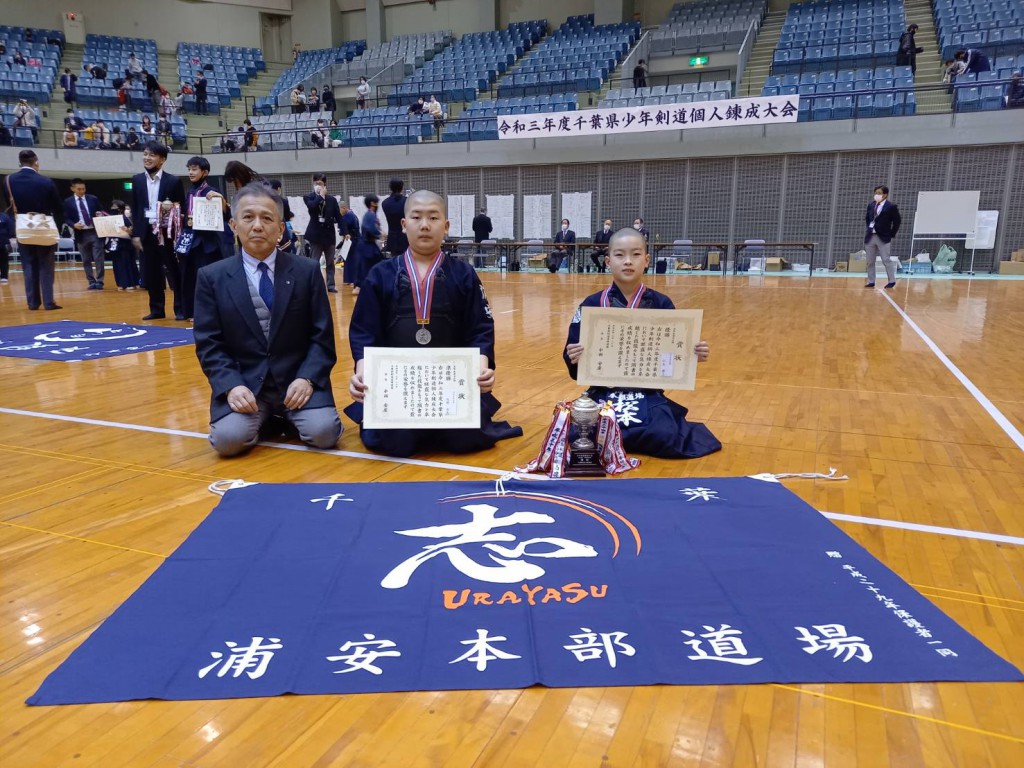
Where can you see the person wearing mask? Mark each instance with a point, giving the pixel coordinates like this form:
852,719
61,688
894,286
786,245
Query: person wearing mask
69,139
907,51
163,130
337,136
601,240
362,93
121,252
883,222
69,82
154,193
417,107
132,140
482,226
147,131
134,68
313,100
321,232
197,247
436,111
320,136
31,192
25,117
394,211
564,248
199,85
328,100
79,211
639,226
298,99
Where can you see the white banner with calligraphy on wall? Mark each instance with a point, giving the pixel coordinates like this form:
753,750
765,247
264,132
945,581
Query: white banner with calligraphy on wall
763,110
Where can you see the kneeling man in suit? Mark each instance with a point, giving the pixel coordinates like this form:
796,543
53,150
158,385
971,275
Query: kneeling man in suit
264,334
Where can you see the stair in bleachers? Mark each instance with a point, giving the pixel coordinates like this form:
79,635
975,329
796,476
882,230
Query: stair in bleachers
759,65
706,26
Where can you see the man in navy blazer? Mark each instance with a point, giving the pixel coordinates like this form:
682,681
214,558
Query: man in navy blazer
150,191
883,221
563,236
264,334
33,193
79,210
321,232
394,211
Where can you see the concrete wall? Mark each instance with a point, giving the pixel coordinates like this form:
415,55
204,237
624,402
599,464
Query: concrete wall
554,12
460,16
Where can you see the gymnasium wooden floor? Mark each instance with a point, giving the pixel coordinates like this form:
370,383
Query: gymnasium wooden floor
804,375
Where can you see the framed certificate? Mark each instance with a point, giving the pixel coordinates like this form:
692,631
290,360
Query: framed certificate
428,388
639,349
110,226
207,215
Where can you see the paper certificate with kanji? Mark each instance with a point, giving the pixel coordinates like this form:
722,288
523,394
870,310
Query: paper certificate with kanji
110,226
429,388
646,349
207,215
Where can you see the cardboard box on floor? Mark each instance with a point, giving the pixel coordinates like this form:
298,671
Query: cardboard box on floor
842,266
858,262
1011,267
1017,255
774,264
714,260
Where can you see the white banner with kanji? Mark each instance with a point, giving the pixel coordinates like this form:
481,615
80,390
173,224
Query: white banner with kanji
760,110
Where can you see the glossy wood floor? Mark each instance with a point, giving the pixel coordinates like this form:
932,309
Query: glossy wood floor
803,375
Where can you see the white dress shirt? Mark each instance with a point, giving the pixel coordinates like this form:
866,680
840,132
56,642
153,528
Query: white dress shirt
153,187
252,271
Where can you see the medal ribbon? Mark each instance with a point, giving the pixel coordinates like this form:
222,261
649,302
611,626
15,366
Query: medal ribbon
631,304
202,189
422,290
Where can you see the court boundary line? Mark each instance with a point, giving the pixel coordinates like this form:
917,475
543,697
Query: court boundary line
918,527
1004,423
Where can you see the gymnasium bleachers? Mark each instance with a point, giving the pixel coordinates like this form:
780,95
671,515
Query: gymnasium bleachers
986,90
32,81
285,130
678,93
578,56
114,118
112,54
480,123
827,34
993,26
844,94
307,64
472,65
706,26
387,125
227,69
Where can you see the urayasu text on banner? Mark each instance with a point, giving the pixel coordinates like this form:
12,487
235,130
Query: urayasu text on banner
763,110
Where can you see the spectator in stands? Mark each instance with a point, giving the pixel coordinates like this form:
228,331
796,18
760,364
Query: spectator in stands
166,108
6,139
73,121
393,207
3,51
178,103
70,139
1015,93
601,240
152,86
31,192
252,142
883,222
313,100
101,135
132,140
124,97
324,219
199,85
7,232
320,135
561,251
298,99
88,138
18,58
362,93
974,61
418,107
163,130
907,51
121,252
296,50
327,98
229,141
117,140
134,69
337,135
147,131
640,74
69,83
25,117
482,226
98,71
434,108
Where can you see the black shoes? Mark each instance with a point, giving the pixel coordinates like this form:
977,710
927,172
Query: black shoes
53,306
179,317
890,285
154,316
869,285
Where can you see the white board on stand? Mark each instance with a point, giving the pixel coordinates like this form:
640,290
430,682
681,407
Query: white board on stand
946,213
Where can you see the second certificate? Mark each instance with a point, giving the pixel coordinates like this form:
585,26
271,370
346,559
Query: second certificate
428,388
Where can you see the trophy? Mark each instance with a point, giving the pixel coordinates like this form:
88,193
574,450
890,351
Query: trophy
583,458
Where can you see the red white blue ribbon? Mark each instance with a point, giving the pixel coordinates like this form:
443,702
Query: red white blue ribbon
422,290
631,303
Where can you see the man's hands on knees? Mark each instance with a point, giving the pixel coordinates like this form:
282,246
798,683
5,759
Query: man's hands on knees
298,394
574,351
356,386
486,377
242,400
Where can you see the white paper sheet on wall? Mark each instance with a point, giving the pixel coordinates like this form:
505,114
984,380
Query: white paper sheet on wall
501,210
576,208
460,214
301,218
537,217
985,231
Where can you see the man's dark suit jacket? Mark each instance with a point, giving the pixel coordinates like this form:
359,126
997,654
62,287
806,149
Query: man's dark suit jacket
34,193
230,344
568,236
482,227
322,234
394,211
170,189
887,223
72,215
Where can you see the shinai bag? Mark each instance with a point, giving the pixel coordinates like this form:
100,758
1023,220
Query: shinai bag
33,228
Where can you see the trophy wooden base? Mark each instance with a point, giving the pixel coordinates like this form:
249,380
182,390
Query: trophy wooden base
584,463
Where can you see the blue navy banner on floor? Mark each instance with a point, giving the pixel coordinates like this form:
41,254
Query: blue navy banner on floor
348,588
72,341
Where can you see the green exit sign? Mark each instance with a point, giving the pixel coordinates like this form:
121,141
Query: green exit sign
127,185
698,61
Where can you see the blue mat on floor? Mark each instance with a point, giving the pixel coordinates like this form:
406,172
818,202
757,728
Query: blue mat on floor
347,588
71,341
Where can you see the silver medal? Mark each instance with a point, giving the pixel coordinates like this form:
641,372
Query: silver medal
423,336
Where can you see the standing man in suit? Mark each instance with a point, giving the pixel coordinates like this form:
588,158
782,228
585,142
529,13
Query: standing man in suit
31,192
79,210
264,334
601,240
883,222
324,216
482,227
394,211
199,86
350,232
562,237
154,193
